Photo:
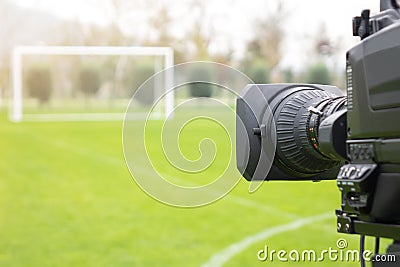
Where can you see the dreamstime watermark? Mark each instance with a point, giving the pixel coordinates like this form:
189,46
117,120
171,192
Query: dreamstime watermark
333,254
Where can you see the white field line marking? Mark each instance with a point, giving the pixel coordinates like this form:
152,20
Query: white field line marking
242,201
106,159
220,258
260,206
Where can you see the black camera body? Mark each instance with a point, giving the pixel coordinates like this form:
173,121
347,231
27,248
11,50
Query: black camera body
370,183
315,132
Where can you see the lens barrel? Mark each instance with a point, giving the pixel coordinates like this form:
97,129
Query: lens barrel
290,131
297,118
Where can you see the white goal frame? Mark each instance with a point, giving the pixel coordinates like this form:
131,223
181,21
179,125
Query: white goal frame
16,107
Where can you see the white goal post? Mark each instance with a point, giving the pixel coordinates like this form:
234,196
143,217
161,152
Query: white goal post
16,107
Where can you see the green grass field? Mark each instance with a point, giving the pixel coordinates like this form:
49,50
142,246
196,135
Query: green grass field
67,199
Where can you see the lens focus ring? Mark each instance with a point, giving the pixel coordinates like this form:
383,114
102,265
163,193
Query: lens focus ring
295,150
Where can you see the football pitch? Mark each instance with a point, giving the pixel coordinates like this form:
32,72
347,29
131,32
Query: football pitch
67,199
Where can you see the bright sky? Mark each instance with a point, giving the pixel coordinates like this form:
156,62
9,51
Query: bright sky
231,20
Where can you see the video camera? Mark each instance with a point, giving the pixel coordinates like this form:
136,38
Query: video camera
318,133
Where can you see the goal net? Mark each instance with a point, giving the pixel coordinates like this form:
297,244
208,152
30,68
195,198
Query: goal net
88,82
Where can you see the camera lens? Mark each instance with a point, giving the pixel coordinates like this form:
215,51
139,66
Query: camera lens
297,117
290,131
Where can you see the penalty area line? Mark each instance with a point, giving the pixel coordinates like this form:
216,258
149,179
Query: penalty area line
220,258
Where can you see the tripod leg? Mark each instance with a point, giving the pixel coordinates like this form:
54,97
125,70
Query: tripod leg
390,259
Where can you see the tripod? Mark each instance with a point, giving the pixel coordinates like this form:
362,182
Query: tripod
390,259
351,225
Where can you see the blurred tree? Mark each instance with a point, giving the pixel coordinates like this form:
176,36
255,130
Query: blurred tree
200,72
322,44
4,78
198,38
259,72
89,79
161,22
200,41
102,35
319,74
269,34
224,57
119,10
288,75
324,52
135,75
38,81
